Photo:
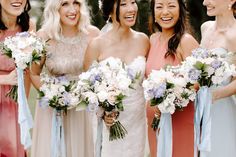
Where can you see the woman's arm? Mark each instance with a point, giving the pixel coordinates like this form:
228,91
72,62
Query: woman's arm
9,79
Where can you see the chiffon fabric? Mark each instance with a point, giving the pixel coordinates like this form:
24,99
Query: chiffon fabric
223,131
10,145
64,58
182,121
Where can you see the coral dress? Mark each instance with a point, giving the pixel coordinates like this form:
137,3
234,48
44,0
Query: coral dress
182,121
9,128
64,58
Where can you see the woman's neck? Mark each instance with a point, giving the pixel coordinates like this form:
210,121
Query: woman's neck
121,32
10,21
224,21
68,31
166,35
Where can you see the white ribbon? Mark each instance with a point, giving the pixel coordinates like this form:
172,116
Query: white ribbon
58,148
99,137
164,138
202,121
25,119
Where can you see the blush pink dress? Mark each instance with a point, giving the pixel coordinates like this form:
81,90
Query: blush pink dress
182,121
9,128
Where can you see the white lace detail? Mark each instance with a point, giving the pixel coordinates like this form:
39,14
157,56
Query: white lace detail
134,120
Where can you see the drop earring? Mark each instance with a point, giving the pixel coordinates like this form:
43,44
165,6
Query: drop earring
230,6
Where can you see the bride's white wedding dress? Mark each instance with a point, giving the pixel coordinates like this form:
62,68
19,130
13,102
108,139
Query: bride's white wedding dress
133,118
223,132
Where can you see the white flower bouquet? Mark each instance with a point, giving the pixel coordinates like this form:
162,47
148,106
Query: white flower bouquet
24,48
57,92
208,67
102,88
169,90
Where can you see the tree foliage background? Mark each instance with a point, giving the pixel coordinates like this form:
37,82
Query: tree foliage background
197,15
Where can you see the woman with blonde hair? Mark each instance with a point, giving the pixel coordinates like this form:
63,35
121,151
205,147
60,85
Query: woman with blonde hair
68,31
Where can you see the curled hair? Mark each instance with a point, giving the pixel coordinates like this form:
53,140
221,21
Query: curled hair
22,20
52,24
234,9
108,8
179,28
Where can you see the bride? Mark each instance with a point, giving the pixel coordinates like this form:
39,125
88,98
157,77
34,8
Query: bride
120,41
220,35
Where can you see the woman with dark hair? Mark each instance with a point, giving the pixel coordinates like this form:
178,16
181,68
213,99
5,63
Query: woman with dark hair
131,47
220,36
170,45
14,18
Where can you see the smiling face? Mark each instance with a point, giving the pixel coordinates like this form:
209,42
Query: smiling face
217,7
12,7
69,12
166,13
127,12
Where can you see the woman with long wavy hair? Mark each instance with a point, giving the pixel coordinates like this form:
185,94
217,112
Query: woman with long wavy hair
68,31
170,45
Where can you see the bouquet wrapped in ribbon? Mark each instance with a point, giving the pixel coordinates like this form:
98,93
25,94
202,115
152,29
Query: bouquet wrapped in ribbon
169,91
102,88
208,68
57,93
24,48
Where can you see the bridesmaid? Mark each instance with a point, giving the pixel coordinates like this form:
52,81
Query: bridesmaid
68,31
14,18
220,35
169,46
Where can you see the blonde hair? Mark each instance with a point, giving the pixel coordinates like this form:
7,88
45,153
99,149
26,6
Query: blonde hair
52,25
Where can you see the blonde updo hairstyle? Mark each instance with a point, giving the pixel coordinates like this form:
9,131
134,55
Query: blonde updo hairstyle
52,25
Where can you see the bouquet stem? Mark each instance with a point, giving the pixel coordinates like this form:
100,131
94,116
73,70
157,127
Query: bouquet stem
12,93
155,122
117,131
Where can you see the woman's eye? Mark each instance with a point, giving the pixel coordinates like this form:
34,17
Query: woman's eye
122,4
64,4
77,3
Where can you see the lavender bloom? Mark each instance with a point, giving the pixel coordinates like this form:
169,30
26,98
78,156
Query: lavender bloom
216,64
200,53
158,92
95,78
131,73
23,34
194,74
66,98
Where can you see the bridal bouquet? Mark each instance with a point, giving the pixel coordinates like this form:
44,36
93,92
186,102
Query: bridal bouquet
208,67
169,90
24,48
57,92
102,88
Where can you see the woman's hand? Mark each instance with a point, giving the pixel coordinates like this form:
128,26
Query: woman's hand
110,118
11,78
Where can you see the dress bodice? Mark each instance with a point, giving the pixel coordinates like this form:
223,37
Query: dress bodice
156,57
66,57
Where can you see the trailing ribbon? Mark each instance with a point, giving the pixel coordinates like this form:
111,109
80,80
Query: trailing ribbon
202,121
58,148
99,138
25,119
164,137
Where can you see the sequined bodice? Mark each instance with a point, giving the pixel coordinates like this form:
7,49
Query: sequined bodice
66,56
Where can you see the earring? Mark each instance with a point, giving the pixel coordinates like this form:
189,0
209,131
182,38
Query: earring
109,18
230,6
